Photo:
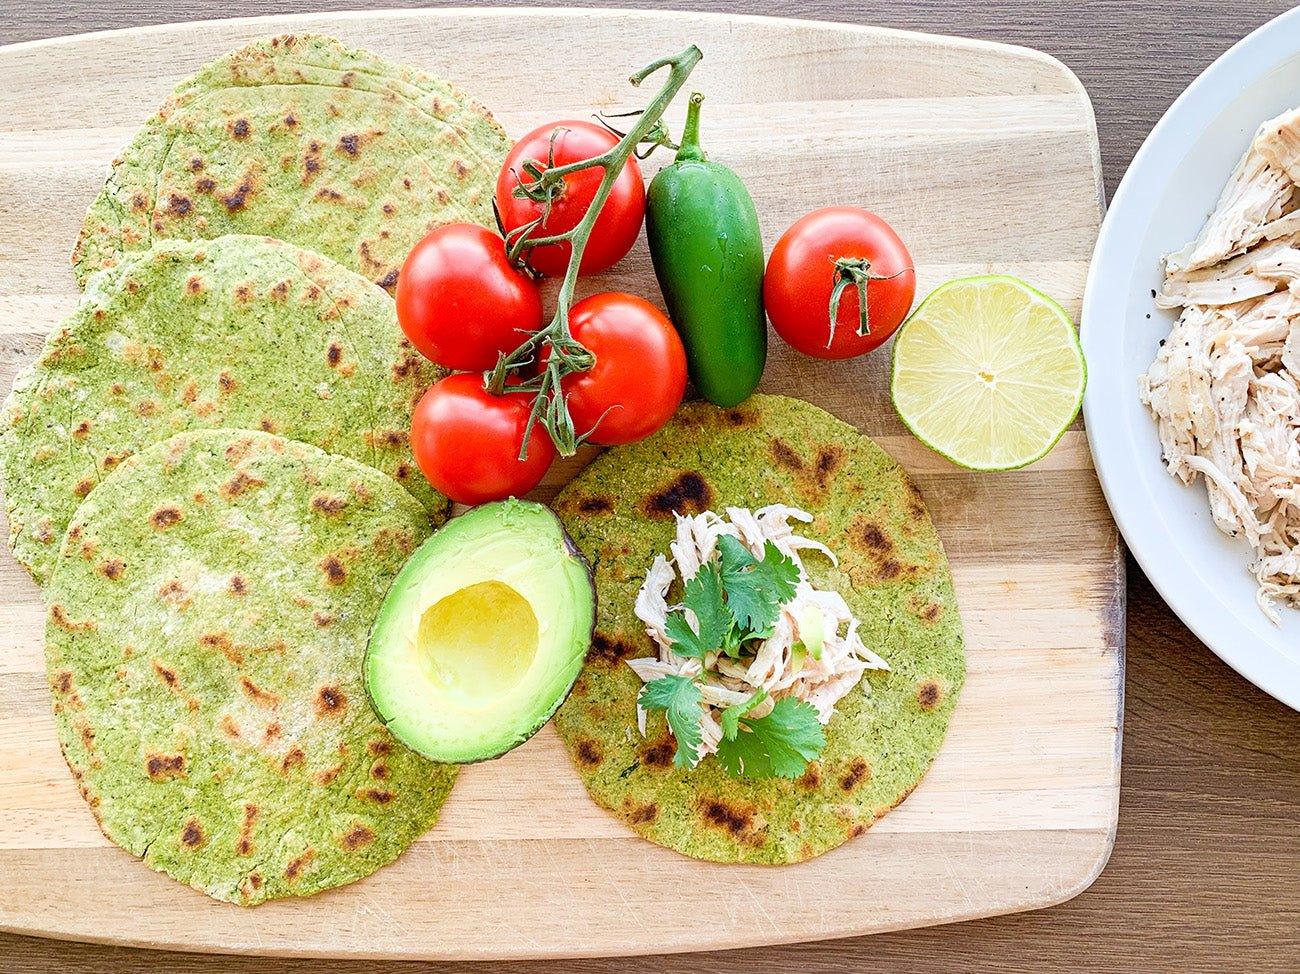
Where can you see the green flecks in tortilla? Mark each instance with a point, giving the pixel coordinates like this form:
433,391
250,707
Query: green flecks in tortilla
304,139
240,331
206,625
892,572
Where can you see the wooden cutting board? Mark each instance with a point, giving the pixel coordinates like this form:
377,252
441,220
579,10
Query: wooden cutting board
985,159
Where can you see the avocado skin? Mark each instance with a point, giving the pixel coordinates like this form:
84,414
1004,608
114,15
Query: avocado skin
430,557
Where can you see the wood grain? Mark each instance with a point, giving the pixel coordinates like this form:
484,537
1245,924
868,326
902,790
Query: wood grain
1204,873
1018,811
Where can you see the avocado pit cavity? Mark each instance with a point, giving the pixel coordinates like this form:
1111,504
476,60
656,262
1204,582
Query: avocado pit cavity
478,642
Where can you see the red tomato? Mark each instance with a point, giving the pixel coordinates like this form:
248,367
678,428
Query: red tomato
640,372
801,273
466,441
619,222
461,302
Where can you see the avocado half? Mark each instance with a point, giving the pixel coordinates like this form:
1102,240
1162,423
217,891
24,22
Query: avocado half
482,634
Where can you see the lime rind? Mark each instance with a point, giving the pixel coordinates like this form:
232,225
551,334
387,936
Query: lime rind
1042,391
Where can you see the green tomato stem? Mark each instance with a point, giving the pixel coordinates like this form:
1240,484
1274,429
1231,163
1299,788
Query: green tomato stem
852,272
856,272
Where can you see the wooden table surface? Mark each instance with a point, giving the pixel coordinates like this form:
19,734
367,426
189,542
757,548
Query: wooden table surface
1206,870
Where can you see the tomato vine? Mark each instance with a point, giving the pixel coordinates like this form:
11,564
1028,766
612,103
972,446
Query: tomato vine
542,183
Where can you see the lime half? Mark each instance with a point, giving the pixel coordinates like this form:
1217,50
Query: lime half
988,372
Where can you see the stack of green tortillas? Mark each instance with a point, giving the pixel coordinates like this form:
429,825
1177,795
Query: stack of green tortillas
208,471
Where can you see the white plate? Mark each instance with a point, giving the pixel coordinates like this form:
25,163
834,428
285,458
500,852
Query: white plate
1169,190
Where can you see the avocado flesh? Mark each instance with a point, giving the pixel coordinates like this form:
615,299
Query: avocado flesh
482,634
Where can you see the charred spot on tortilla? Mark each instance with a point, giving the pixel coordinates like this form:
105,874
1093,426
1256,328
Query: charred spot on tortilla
858,772
295,866
811,779
928,695
165,517
829,460
357,837
240,483
295,757
739,416
112,568
889,570
641,814
596,505
161,767
588,753
688,493
328,504
192,836
870,537
334,570
659,754
609,649
330,701
740,819
785,456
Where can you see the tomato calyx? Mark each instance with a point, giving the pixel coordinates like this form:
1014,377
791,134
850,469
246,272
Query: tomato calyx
855,272
543,192
565,356
554,346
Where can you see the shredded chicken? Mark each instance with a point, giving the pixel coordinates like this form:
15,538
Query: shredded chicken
773,664
1225,386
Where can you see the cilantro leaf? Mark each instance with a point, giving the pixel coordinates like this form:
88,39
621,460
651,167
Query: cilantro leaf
685,641
779,745
756,589
704,597
732,643
730,719
679,698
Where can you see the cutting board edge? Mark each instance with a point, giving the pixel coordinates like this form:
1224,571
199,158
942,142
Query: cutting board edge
1048,896
395,13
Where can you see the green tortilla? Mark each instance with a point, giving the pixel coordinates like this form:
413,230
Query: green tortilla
205,630
241,332
301,138
892,572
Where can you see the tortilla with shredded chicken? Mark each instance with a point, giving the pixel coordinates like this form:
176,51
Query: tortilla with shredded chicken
1225,386
892,573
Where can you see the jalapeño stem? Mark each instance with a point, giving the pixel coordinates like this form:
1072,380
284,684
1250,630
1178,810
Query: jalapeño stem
690,145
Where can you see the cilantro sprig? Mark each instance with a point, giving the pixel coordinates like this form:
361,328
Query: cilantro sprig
715,626
679,698
733,601
756,589
779,745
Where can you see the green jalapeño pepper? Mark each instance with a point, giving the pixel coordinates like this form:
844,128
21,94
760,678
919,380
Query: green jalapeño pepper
708,256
